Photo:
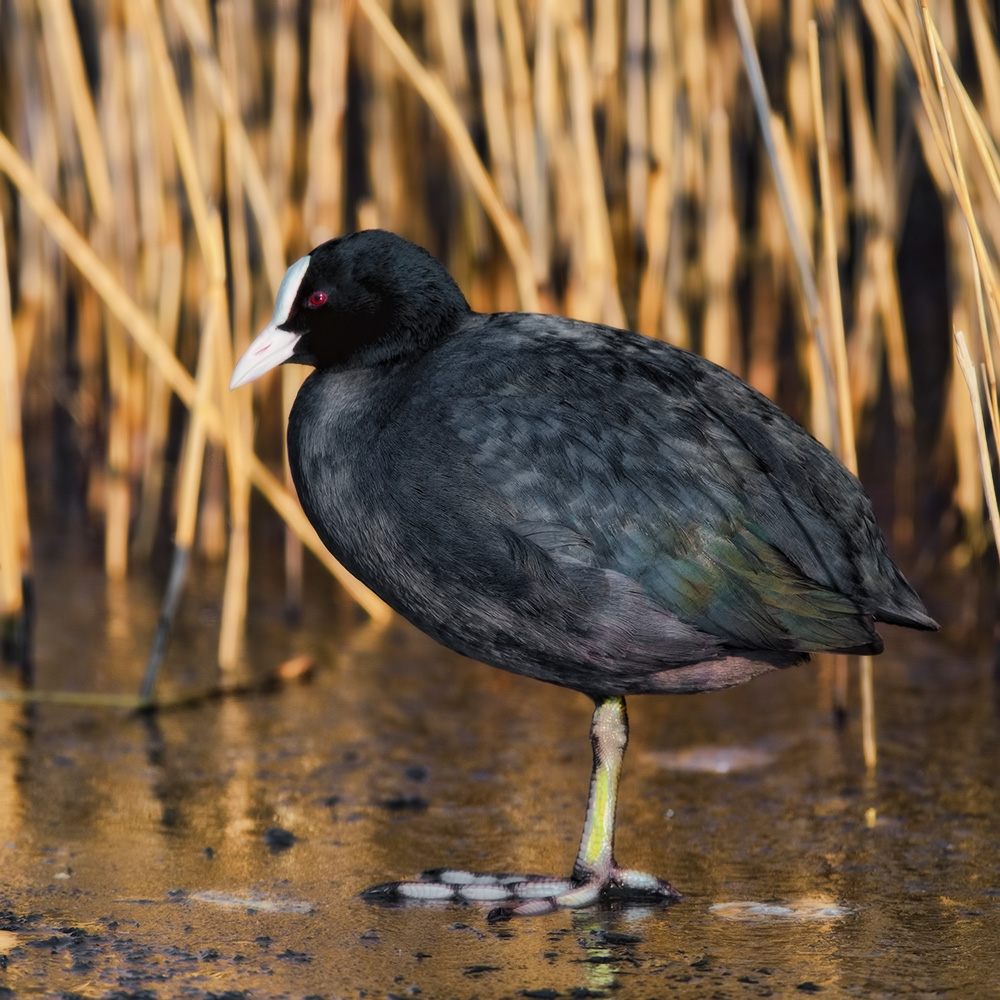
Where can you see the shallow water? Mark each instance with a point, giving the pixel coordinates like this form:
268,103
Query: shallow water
137,859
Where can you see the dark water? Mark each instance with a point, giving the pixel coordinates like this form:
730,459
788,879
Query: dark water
136,864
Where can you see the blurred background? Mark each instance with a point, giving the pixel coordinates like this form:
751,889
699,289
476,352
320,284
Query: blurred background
806,193
609,160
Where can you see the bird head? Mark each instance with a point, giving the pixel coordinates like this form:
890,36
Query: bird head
367,298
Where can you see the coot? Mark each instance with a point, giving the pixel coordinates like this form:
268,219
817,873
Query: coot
568,501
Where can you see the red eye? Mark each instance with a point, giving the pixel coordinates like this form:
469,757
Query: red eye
316,300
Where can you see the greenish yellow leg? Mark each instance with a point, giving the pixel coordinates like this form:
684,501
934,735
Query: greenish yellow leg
609,737
595,872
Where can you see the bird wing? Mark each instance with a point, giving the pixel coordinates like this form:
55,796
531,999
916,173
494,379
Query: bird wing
671,472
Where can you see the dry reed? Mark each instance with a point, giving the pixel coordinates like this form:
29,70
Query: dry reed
14,536
598,159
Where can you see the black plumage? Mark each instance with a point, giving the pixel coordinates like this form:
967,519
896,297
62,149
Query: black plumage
564,500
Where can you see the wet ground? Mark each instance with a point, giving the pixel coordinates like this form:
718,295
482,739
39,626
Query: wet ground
218,851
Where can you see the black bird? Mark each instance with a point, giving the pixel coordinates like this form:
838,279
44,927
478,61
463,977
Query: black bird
568,501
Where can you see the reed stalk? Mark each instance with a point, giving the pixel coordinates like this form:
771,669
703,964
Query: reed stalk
598,297
968,370
530,182
663,173
271,243
495,104
438,99
777,151
847,451
143,331
188,489
598,159
240,419
14,525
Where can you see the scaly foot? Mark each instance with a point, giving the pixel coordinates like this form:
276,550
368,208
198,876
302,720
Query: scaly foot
524,895
595,876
